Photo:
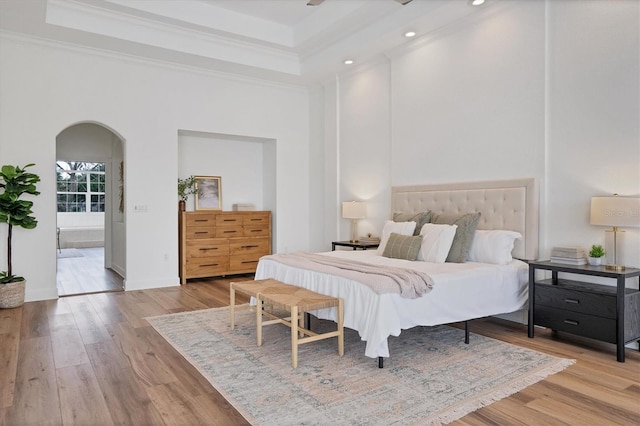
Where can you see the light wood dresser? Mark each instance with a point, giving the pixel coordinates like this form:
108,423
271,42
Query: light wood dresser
216,243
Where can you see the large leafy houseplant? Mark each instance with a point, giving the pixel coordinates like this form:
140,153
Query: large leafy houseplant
14,182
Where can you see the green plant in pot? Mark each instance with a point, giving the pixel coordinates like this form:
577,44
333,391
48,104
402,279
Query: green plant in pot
14,183
186,187
596,254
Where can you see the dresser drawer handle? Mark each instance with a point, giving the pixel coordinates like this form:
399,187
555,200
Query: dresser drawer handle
209,264
256,220
249,261
574,301
229,220
202,220
248,247
202,232
256,230
571,322
208,248
230,232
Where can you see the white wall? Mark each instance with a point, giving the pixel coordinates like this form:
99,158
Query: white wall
239,163
528,89
46,88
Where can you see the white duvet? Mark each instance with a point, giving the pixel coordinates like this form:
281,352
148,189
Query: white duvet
462,291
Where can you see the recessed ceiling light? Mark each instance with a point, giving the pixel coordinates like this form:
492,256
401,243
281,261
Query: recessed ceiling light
410,34
348,61
476,2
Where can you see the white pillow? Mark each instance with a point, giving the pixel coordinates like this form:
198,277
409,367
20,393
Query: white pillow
402,228
493,246
436,242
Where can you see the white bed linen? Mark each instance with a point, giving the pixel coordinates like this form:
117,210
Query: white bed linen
462,291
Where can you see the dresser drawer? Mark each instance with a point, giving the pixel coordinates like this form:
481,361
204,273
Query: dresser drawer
207,248
207,267
256,230
229,231
200,219
257,218
601,305
256,246
229,219
581,324
244,262
197,232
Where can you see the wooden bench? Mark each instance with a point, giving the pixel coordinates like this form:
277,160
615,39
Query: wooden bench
294,300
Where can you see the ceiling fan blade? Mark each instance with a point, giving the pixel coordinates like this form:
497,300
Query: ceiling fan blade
316,2
403,2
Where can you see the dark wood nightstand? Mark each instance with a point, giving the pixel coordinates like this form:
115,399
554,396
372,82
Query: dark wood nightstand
602,312
356,245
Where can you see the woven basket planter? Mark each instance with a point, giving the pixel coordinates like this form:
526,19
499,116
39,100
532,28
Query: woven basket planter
12,294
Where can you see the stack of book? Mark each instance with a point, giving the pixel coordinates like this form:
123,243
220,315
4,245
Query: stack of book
369,240
569,255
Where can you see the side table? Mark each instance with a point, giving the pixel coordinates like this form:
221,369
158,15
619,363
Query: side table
602,312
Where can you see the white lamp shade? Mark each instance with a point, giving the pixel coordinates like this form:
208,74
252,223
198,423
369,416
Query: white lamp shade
354,210
615,211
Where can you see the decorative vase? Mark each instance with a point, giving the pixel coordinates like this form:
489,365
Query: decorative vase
12,294
182,205
594,261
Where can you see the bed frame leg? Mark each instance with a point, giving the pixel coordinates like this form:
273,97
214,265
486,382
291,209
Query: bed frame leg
380,362
466,332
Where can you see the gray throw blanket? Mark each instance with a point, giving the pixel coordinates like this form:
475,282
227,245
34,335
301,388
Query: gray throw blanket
381,279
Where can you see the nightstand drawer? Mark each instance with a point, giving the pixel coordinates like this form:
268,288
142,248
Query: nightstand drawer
599,328
601,305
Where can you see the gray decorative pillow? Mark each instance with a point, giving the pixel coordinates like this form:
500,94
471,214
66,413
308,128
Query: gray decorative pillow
419,218
463,239
402,246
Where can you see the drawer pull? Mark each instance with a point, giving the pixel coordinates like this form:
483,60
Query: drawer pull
208,248
571,322
256,230
210,264
256,220
230,232
574,301
249,247
249,261
229,220
202,220
202,232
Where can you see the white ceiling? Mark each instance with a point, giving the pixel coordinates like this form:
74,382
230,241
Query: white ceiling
282,40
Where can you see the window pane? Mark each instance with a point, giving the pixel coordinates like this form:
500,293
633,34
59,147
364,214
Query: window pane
97,202
97,183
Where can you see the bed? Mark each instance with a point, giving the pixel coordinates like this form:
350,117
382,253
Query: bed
461,291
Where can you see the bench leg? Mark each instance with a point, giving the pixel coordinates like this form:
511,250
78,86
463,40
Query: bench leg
340,328
294,336
232,305
259,319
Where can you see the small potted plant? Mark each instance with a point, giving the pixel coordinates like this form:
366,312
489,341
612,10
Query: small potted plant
186,187
14,182
595,255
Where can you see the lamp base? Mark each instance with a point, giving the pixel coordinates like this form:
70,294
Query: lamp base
614,267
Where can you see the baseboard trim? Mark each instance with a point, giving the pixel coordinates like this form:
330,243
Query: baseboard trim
130,285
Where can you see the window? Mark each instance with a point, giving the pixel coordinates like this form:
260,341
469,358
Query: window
81,187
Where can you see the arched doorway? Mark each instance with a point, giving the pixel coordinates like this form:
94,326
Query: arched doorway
91,229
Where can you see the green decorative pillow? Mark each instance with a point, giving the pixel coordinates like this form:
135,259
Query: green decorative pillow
419,218
467,223
402,246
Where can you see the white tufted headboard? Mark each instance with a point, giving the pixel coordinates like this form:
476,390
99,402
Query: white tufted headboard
504,204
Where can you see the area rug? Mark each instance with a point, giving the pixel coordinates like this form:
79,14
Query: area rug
432,377
68,253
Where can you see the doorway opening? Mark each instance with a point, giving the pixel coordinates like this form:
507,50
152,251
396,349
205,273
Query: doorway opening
89,205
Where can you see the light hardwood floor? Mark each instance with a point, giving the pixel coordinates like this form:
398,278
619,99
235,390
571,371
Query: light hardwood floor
94,360
85,273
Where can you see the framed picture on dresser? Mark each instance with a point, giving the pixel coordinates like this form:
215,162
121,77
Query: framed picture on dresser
208,192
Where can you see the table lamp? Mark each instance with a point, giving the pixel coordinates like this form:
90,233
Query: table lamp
616,212
354,210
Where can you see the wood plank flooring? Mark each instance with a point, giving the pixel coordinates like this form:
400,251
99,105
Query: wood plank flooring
85,273
94,360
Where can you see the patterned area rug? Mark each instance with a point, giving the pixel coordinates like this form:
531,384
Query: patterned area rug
432,377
